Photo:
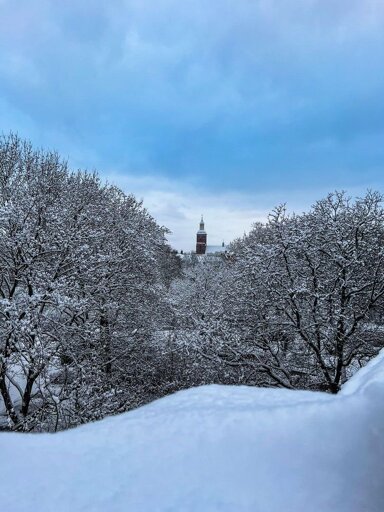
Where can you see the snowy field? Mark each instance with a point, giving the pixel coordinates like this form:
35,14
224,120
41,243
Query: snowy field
213,448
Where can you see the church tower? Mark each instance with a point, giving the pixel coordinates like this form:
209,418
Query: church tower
201,238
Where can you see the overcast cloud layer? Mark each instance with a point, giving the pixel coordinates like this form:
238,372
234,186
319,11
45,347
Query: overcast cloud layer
231,106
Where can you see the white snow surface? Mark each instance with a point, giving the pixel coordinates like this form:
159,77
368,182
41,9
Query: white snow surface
213,448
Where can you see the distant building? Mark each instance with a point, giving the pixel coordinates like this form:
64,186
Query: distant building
201,239
201,243
216,249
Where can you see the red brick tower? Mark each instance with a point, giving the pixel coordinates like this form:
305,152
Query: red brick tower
201,238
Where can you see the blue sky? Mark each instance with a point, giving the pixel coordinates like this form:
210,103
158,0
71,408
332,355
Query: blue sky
223,107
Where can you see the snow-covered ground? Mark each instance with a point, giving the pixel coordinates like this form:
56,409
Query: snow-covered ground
213,448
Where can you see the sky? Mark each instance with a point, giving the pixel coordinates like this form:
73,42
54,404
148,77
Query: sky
222,108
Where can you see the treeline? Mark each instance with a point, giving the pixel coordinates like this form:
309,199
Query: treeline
298,303
84,271
99,315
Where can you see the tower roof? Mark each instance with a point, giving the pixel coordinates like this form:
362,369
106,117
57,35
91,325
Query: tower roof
201,229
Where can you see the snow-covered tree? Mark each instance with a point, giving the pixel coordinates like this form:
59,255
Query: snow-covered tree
307,286
82,288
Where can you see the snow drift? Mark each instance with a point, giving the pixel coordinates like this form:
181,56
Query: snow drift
213,448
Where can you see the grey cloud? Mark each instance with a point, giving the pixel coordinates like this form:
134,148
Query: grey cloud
193,87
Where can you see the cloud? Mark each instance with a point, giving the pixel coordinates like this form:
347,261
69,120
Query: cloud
246,95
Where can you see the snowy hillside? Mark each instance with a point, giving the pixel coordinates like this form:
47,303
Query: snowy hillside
213,448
